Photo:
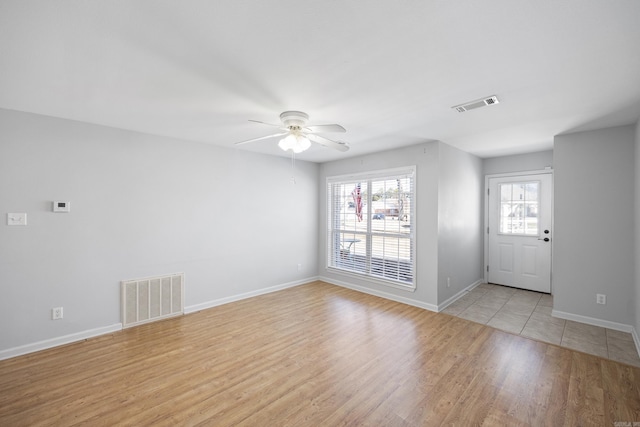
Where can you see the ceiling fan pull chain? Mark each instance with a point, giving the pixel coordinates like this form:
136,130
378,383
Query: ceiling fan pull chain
293,168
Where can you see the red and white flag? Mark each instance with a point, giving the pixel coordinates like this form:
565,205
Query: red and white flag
357,201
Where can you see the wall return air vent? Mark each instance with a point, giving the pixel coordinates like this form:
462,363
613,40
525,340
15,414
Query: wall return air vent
151,299
476,104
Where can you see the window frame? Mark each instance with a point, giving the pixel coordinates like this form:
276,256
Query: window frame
334,231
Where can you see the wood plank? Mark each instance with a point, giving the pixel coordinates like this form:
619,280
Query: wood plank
585,392
621,384
315,354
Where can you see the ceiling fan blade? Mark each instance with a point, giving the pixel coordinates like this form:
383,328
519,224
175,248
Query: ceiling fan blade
260,138
336,145
325,128
268,124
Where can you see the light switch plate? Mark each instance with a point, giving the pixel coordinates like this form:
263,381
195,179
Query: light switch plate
16,218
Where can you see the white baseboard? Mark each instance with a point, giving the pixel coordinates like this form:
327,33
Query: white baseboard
636,340
381,294
453,299
238,297
592,321
55,342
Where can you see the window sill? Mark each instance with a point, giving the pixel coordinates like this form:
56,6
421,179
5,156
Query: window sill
409,287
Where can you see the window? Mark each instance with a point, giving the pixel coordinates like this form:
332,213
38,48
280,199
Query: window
371,225
519,208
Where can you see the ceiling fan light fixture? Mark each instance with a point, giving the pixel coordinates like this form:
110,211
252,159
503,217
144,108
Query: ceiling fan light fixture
303,143
287,143
295,143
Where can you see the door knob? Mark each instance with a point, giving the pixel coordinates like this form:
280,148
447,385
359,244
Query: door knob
546,239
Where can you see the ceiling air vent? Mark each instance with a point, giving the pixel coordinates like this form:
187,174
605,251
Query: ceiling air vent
476,104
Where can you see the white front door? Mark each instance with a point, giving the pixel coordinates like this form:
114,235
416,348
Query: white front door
519,231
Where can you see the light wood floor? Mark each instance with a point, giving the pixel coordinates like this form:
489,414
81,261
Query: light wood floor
316,355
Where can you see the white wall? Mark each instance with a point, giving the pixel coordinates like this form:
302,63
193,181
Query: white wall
518,163
448,243
594,223
636,258
142,205
460,237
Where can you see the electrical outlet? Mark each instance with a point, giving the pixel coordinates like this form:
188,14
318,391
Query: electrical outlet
56,313
601,299
448,282
299,267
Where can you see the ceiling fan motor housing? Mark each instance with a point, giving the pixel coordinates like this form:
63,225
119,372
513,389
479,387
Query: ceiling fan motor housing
294,118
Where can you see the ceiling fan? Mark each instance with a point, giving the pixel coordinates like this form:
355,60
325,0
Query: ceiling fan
297,135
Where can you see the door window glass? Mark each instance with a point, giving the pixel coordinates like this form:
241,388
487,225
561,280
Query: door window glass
519,202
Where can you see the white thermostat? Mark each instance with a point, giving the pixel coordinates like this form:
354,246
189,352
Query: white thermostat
59,206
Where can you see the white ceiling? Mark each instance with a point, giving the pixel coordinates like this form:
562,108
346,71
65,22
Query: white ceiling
388,71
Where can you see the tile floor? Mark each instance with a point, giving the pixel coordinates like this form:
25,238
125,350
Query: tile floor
528,314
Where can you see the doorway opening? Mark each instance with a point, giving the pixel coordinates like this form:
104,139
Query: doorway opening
519,230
